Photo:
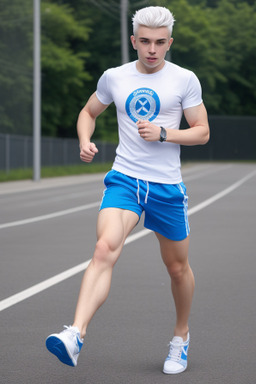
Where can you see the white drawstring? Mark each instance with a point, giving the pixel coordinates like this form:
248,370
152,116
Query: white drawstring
146,198
138,191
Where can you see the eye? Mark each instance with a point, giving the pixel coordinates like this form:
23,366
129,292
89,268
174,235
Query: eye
161,42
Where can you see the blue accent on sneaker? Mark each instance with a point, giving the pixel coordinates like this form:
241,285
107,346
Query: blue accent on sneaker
58,348
184,355
79,343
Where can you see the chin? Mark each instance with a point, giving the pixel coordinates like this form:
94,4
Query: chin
152,65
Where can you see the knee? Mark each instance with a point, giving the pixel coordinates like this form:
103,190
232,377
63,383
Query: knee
103,254
177,271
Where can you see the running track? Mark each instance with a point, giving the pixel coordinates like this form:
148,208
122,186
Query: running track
47,236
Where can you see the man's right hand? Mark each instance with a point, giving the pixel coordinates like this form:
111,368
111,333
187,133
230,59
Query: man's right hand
88,151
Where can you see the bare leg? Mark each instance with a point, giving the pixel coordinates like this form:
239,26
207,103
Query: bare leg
113,227
175,257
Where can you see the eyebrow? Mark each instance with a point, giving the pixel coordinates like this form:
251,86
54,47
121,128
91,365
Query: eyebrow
158,40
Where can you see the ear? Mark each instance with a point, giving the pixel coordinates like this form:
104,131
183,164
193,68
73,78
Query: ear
133,41
170,43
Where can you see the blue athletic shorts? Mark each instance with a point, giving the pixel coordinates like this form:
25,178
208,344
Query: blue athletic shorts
165,205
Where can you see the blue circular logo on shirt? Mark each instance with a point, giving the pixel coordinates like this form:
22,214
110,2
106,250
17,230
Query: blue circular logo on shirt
142,104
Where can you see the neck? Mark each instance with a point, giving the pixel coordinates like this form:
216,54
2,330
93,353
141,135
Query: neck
148,70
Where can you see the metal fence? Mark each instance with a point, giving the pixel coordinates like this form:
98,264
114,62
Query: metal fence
232,138
17,152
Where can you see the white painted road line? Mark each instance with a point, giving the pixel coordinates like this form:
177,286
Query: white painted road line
221,194
205,172
23,295
50,215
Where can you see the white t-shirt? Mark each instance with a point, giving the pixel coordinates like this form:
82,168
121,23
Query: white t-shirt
160,98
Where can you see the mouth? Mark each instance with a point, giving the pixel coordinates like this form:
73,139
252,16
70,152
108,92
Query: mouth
151,60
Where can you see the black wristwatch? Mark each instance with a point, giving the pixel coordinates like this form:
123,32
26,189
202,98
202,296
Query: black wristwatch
163,134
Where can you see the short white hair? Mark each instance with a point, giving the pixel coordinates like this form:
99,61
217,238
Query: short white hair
153,17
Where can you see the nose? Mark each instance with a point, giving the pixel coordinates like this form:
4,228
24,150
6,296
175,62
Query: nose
152,48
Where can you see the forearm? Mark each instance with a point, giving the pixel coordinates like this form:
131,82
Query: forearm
198,135
85,126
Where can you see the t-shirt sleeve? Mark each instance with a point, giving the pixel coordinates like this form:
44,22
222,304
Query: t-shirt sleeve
193,93
103,92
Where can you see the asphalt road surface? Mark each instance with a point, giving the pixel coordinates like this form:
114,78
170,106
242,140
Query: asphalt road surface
47,233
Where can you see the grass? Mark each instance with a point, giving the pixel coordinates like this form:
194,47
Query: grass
57,171
69,170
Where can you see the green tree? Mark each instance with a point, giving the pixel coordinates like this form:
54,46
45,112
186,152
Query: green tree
238,93
16,73
64,74
105,52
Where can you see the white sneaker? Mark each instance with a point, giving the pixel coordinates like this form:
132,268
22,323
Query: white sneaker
176,361
66,345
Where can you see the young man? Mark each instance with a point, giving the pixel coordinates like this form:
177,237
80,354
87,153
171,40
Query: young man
150,97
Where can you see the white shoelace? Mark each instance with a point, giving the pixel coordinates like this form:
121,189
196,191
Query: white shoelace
71,329
175,352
